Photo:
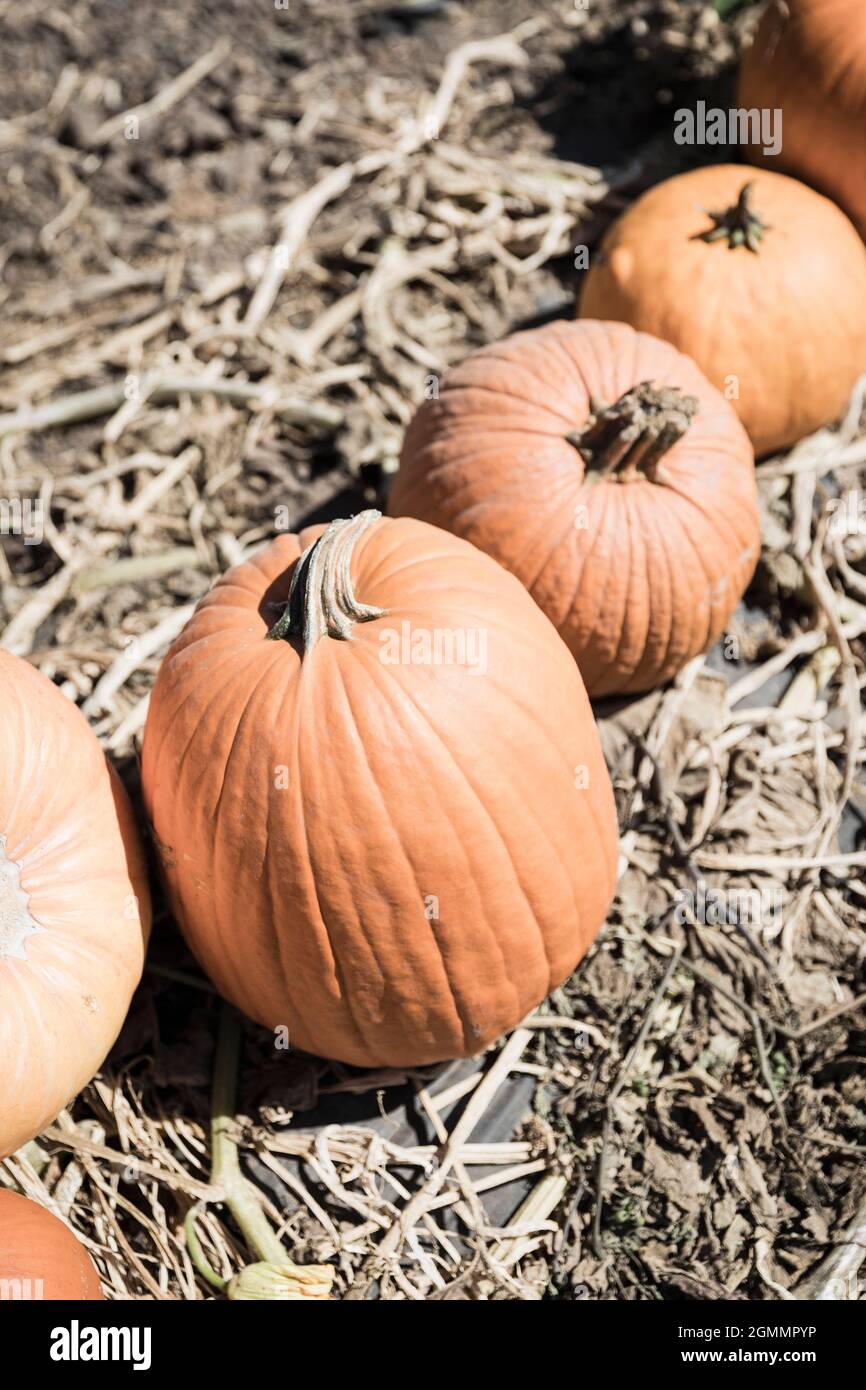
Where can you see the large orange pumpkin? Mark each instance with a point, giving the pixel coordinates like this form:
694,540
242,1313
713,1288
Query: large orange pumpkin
758,278
390,828
599,466
74,903
809,62
40,1258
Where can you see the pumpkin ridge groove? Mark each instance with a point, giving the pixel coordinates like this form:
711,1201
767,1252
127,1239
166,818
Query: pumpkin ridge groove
222,702
509,395
344,993
216,689
585,562
373,950
282,943
611,520
670,591
714,522
688,541
469,1039
220,875
593,823
489,819
515,563
672,618
675,647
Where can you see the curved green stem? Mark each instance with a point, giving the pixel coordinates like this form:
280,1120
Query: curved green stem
739,224
276,1276
240,1195
196,1253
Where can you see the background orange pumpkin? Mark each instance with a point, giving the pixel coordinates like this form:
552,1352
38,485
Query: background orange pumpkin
808,60
638,548
767,294
40,1258
395,859
74,903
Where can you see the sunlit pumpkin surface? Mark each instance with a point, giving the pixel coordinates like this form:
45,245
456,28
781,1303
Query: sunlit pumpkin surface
392,858
638,568
40,1258
74,903
809,62
780,328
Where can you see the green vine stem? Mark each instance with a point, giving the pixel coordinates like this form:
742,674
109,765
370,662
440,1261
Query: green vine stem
322,598
739,224
196,1253
277,1276
626,441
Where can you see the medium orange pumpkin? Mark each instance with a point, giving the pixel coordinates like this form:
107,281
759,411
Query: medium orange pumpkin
74,903
758,278
600,467
808,61
390,828
40,1258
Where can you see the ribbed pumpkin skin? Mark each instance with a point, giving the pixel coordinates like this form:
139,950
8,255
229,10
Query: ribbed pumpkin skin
35,1246
306,903
652,573
71,863
788,322
810,63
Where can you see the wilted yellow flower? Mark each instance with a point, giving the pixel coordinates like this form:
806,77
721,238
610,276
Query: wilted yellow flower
282,1281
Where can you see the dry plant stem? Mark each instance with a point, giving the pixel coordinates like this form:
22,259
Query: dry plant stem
297,220
239,1195
826,598
503,49
638,1043
836,1276
627,440
473,223
19,633
544,1198
760,1043
72,1177
137,652
688,862
471,1211
104,400
76,1143
421,1202
165,99
135,568
804,643
298,217
795,1034
129,726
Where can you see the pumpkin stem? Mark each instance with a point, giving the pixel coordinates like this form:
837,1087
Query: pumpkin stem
321,599
238,1193
626,440
740,224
